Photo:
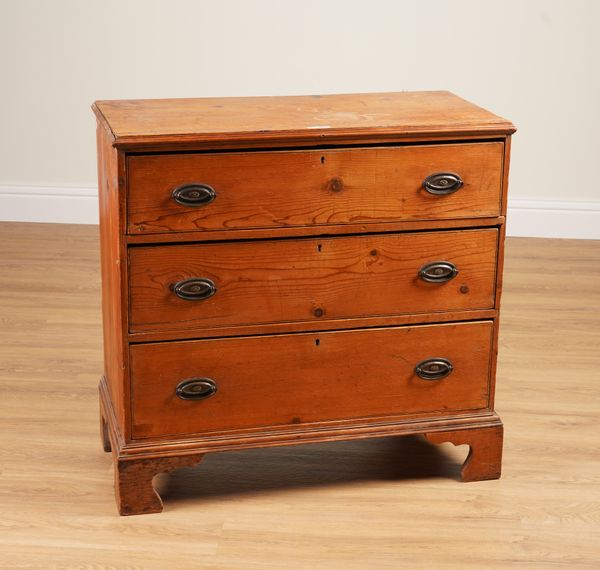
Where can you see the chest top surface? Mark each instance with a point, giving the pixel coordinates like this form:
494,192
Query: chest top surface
328,117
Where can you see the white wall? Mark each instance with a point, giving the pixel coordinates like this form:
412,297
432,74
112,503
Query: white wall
533,61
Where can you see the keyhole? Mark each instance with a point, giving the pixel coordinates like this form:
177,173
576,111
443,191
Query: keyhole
318,342
322,160
319,246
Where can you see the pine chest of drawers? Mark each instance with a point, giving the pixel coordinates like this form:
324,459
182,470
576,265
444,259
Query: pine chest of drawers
284,270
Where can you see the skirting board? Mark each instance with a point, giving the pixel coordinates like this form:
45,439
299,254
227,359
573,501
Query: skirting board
49,204
526,218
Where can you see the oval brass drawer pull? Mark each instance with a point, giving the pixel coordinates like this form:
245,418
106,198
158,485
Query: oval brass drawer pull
442,183
438,272
195,289
434,368
194,194
196,388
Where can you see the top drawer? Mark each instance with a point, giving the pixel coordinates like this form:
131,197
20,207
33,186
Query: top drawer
237,190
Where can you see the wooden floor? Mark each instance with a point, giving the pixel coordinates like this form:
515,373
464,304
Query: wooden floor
363,505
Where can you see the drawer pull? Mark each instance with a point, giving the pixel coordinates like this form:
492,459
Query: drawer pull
442,183
196,389
438,272
194,194
434,368
195,289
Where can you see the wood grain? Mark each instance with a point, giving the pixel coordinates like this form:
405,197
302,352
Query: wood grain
134,490
306,378
484,461
311,280
308,187
351,505
320,230
114,291
268,120
308,326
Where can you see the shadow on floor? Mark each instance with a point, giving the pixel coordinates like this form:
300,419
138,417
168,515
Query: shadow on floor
310,465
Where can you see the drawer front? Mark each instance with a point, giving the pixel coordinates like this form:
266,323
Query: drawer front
297,280
310,187
305,378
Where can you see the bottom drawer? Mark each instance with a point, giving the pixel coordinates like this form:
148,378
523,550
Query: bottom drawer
305,378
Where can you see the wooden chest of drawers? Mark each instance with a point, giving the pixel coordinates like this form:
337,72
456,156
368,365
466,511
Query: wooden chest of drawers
283,270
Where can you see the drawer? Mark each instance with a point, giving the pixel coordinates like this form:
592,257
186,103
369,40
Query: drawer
310,187
296,379
202,286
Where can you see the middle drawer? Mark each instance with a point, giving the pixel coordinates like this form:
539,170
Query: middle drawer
211,285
